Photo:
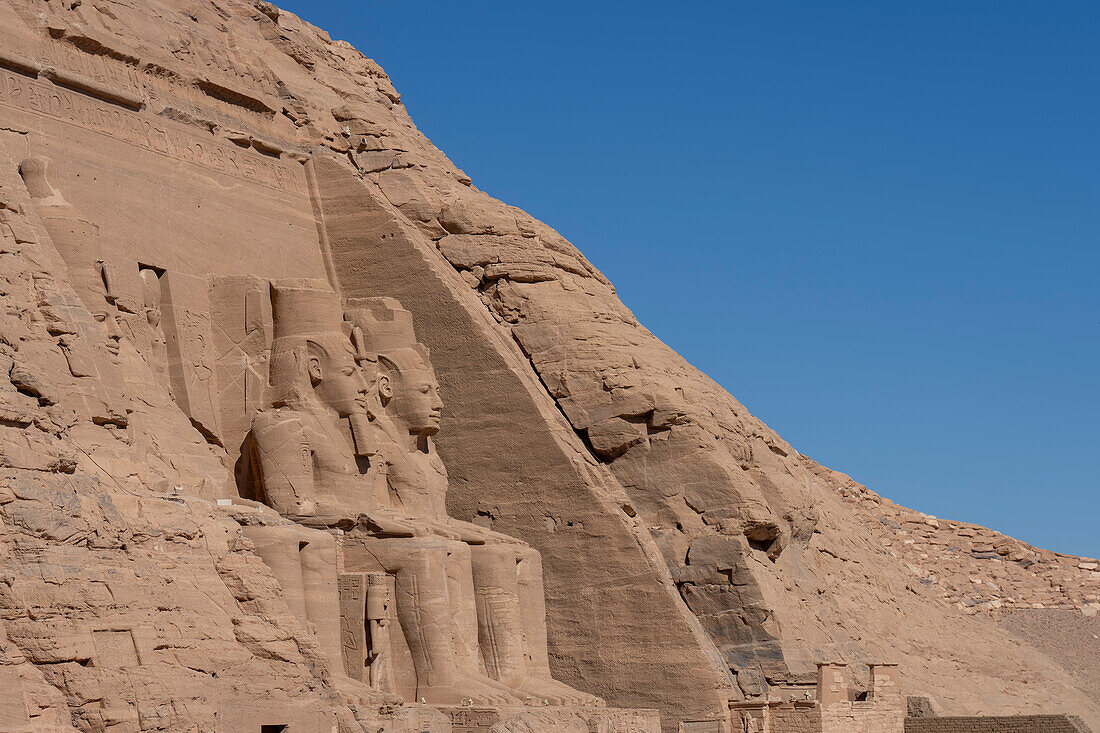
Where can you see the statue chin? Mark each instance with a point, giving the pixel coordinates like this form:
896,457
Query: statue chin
428,430
347,409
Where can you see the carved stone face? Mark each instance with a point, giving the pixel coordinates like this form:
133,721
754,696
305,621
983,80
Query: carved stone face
413,394
336,379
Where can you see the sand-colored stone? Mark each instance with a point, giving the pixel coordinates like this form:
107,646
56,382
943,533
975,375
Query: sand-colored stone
162,164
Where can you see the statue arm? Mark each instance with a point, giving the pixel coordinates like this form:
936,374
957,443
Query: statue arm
285,463
475,534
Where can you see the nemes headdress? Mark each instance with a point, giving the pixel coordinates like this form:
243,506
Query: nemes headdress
381,331
303,312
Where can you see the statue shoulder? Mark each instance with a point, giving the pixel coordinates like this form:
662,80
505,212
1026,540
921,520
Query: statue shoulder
279,424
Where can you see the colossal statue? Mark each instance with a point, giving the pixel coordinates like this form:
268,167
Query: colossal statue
404,408
141,314
77,241
75,237
305,465
303,459
347,446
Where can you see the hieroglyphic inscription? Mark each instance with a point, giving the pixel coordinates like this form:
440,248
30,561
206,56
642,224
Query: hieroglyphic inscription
635,721
101,68
749,717
148,133
701,726
471,720
122,71
353,626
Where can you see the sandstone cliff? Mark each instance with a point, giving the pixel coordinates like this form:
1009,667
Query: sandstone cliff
691,554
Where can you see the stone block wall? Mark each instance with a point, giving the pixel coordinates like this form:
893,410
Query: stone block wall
1006,724
796,718
882,710
861,717
837,707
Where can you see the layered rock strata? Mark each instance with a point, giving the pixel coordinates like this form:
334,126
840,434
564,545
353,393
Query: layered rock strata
159,158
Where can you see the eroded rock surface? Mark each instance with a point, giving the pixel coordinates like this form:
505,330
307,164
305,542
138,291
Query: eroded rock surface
161,164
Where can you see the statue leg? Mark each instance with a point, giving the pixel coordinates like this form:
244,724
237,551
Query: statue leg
278,548
304,562
532,603
472,659
322,597
460,587
512,623
500,625
425,612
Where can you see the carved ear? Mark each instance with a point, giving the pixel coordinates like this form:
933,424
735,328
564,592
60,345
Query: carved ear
315,374
315,352
387,367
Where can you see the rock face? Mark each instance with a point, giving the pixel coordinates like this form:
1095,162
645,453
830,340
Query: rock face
203,529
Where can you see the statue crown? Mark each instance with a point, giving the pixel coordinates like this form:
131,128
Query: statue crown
385,325
304,308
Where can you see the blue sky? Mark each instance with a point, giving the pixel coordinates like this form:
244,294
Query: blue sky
876,224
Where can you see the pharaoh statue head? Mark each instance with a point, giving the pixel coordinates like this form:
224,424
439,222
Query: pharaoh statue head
76,238
37,174
312,358
405,384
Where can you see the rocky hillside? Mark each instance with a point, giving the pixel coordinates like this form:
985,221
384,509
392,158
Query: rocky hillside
676,528
976,568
